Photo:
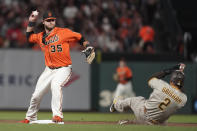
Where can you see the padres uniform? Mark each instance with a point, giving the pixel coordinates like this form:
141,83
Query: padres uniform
163,102
124,87
58,68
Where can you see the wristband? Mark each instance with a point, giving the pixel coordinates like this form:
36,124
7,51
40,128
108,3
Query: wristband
87,45
81,41
31,24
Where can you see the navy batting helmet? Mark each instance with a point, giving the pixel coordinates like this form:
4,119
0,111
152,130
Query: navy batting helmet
177,78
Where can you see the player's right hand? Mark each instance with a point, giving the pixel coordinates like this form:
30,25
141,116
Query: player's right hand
34,16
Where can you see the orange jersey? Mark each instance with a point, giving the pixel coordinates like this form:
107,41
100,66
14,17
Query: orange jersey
56,47
123,74
147,33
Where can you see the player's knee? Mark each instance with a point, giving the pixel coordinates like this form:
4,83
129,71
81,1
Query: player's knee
55,84
119,108
36,97
56,88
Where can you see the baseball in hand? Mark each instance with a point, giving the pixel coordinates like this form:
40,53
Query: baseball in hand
35,13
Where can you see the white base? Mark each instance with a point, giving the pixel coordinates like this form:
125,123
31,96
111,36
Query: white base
45,122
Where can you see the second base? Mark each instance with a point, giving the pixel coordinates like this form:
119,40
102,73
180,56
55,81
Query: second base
45,122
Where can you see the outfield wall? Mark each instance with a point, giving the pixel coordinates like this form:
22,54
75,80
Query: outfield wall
88,89
19,71
105,86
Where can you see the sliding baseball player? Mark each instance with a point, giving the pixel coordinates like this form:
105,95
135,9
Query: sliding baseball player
165,99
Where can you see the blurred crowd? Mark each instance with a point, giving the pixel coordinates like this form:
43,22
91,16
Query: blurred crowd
110,25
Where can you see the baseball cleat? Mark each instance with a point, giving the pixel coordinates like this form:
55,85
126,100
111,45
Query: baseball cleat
123,122
24,121
112,108
57,119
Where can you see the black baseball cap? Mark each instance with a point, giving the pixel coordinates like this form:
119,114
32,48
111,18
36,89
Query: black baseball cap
49,15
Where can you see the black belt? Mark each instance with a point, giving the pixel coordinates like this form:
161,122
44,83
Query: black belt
52,68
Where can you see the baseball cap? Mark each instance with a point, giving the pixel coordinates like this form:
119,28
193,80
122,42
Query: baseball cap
49,15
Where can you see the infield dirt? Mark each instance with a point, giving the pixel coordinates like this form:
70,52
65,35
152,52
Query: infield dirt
106,123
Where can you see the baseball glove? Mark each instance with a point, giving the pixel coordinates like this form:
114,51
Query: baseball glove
115,77
89,53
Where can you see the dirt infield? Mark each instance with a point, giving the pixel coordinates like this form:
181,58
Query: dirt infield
106,123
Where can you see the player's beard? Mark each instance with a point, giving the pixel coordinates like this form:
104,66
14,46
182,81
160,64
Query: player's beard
49,28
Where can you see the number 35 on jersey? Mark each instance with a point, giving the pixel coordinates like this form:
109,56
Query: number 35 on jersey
56,48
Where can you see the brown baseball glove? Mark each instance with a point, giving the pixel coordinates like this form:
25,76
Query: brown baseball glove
89,53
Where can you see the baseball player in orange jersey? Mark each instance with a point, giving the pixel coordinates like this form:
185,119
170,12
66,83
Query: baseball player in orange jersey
124,76
165,99
54,42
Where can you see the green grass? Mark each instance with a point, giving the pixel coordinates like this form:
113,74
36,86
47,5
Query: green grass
23,127
68,116
85,116
183,118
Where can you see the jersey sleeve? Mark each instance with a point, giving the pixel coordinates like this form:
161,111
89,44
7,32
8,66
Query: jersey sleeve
73,36
33,38
155,83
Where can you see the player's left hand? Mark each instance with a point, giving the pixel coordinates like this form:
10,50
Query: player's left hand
182,67
89,53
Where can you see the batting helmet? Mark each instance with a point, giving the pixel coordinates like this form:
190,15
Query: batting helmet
177,78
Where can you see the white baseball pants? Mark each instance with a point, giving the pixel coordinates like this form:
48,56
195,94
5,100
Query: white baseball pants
53,79
124,90
134,103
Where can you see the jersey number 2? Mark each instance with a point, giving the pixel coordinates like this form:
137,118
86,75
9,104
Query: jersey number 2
54,48
164,104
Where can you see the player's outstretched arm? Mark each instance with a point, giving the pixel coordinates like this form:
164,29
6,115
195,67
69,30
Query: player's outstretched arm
168,71
32,22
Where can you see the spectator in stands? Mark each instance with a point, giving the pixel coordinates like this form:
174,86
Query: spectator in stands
102,39
70,11
117,22
146,35
1,42
113,44
150,10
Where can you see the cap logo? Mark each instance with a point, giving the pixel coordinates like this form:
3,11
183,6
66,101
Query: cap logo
49,14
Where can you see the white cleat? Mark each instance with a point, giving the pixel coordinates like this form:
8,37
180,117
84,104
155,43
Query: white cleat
123,122
112,108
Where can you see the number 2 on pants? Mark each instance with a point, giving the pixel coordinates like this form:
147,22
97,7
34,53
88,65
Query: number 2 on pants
164,104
